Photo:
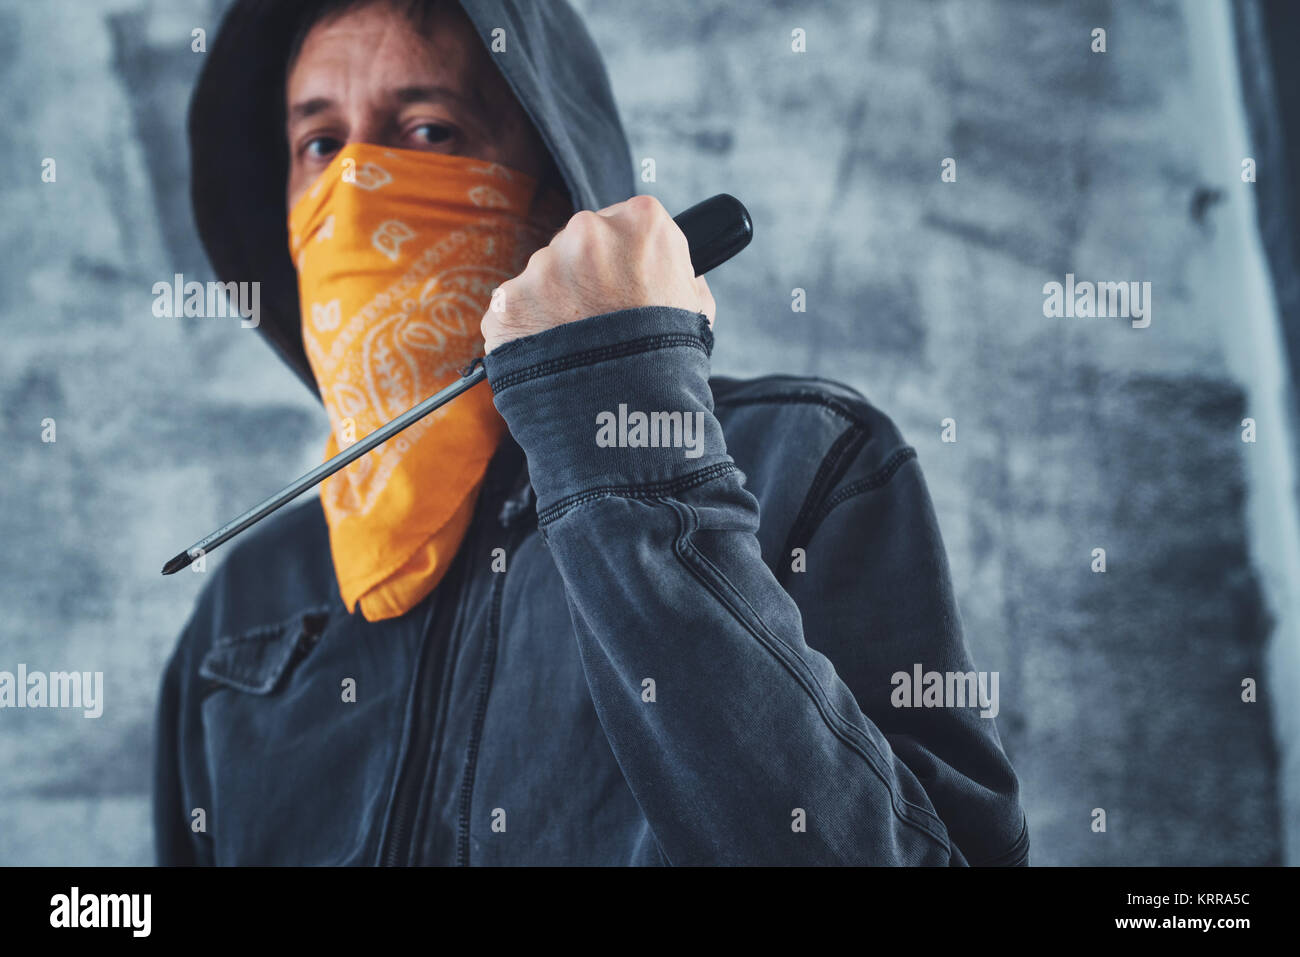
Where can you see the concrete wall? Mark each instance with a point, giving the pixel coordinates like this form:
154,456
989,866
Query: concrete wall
1119,690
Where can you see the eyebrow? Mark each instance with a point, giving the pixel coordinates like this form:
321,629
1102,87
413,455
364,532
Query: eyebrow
306,108
405,95
427,94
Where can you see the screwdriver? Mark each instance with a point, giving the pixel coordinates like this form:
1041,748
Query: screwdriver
715,229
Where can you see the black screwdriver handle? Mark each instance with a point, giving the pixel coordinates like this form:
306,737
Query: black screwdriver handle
716,229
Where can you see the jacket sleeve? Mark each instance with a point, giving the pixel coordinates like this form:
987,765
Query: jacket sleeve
741,742
180,779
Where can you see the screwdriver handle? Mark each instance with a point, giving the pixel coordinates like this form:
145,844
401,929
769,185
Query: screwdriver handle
716,229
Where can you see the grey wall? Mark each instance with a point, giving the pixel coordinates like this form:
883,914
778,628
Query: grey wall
1119,690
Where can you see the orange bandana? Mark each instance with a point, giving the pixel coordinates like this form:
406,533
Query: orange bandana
398,252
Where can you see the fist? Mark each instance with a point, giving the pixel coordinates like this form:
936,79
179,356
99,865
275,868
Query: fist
626,255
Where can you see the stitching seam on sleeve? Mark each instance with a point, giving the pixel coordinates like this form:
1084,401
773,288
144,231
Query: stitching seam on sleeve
650,490
593,356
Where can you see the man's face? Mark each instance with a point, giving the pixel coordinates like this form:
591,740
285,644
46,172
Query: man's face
368,76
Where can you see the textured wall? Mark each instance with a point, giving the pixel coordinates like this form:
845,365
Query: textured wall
1119,691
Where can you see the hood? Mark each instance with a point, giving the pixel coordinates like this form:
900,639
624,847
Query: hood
238,161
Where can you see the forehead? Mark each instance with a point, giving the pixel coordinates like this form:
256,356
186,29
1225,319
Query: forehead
376,47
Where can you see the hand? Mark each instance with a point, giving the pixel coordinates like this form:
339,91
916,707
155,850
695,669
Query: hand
625,255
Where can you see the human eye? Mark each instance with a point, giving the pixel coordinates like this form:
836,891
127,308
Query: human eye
431,134
320,147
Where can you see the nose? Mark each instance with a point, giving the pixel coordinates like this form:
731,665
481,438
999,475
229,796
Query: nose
371,123
368,128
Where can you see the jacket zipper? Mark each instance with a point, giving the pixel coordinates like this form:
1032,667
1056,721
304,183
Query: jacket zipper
433,652
486,673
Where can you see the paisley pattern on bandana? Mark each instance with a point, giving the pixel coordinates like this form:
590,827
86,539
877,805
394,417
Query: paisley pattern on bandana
398,253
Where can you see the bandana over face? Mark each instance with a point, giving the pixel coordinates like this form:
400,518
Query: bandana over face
398,252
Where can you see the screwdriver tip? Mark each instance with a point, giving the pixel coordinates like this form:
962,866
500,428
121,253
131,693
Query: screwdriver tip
177,563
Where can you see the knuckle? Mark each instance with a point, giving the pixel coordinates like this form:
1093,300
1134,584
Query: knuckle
582,222
646,204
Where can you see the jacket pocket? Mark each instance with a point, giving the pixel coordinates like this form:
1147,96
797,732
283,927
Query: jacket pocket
271,743
257,661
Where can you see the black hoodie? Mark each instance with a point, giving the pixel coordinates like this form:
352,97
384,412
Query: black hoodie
623,664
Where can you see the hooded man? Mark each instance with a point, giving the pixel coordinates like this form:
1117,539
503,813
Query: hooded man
545,624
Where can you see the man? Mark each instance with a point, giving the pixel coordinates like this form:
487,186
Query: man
550,627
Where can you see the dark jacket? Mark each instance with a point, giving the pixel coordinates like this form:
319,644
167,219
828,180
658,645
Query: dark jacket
624,665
